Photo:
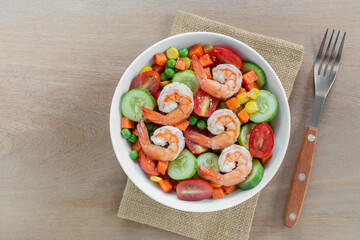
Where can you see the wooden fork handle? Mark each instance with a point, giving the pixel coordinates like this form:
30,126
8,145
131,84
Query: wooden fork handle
300,179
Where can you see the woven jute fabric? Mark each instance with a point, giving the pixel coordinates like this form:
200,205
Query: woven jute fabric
234,223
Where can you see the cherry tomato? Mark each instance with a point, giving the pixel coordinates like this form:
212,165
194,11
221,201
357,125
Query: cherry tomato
173,182
222,55
194,190
147,164
204,104
193,147
149,80
261,141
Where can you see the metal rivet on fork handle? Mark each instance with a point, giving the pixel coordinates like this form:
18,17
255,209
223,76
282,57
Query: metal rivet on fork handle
292,216
311,137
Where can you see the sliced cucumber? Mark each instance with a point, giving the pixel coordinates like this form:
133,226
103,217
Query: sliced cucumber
188,78
183,167
248,66
209,160
268,107
255,176
133,100
244,135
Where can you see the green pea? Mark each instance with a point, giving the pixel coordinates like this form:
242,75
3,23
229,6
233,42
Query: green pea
183,52
201,124
192,120
171,63
126,133
132,138
163,77
169,72
149,126
134,154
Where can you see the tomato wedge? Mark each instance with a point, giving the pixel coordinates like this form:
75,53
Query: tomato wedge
147,164
149,80
204,103
222,55
261,141
194,190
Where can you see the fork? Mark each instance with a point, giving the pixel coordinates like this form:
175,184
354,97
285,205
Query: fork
325,70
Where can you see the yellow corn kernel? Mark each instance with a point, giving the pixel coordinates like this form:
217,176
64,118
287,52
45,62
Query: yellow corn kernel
187,62
172,53
164,83
251,107
145,69
215,184
242,98
253,94
155,179
208,48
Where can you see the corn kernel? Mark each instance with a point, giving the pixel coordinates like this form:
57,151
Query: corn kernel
187,62
253,94
242,98
216,185
251,107
155,179
172,53
164,83
145,69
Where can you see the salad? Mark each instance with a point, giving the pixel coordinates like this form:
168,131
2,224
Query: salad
197,121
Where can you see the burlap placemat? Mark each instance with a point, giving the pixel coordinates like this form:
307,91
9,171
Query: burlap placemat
285,58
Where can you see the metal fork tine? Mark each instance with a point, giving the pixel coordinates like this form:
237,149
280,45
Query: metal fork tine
330,63
337,60
318,58
325,60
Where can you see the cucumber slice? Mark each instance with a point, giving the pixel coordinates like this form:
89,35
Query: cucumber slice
248,66
209,160
133,100
188,78
244,135
255,176
268,107
183,167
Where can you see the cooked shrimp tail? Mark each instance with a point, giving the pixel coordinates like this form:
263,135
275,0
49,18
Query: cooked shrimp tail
153,116
198,138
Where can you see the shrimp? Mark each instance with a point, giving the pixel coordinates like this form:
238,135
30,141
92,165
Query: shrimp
224,124
235,161
176,99
168,136
227,79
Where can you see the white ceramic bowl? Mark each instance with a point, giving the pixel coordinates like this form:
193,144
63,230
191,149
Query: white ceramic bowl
280,124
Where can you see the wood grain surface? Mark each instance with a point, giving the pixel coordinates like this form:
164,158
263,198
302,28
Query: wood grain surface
60,62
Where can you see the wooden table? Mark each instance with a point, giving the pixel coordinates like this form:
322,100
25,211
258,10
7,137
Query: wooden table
60,62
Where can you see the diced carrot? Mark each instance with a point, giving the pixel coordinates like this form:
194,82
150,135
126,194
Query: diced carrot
241,90
160,59
135,132
265,159
229,189
165,186
197,50
232,103
126,123
249,77
243,116
136,146
156,96
180,64
162,166
158,68
251,86
183,125
205,60
207,71
218,193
